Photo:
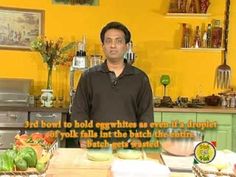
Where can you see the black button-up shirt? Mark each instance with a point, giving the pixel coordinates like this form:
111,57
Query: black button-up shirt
103,97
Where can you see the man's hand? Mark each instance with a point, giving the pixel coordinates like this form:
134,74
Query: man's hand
83,142
134,141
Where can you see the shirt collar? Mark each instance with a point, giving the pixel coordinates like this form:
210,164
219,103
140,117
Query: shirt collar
129,69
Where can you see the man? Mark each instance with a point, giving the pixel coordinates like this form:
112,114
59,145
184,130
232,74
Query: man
114,90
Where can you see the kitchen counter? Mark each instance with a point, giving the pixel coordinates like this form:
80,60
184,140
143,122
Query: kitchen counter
33,109
73,162
207,109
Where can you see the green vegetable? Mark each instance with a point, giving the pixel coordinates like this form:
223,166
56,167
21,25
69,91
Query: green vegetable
6,163
29,155
21,164
11,153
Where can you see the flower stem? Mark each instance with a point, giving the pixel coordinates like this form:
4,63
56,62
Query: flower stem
49,81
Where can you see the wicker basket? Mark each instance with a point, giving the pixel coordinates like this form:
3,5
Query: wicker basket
202,172
32,172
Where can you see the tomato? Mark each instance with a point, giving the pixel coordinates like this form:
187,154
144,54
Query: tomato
23,137
18,143
36,136
49,137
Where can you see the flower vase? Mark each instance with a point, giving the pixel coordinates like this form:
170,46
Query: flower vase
49,81
47,98
47,94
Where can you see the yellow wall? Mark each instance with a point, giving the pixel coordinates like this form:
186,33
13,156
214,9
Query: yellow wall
155,36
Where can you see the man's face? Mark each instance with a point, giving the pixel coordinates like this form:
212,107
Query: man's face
114,45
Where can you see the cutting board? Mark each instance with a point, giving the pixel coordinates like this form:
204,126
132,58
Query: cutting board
75,158
73,162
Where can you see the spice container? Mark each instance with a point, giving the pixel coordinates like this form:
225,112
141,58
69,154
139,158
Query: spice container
216,34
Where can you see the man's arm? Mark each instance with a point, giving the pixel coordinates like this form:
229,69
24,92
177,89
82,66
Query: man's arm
80,106
145,105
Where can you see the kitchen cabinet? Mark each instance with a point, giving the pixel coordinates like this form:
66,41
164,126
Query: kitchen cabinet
7,138
225,132
13,118
12,121
234,133
157,116
48,117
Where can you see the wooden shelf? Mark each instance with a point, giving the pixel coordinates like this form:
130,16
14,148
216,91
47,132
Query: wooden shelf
203,49
187,15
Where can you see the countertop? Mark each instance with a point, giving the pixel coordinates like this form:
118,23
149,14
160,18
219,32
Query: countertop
72,162
207,109
33,109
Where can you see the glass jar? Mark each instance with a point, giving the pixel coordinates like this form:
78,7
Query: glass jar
95,60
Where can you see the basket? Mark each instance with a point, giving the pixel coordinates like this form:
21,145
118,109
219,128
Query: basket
201,172
32,172
53,147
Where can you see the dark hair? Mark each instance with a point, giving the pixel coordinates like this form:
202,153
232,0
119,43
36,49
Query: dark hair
118,26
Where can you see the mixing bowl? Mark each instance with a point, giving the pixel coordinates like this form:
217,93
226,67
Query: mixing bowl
180,146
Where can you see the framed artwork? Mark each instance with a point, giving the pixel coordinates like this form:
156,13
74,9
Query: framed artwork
77,2
18,27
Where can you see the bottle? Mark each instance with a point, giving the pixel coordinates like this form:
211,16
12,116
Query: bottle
216,34
130,55
80,60
209,36
186,36
197,38
204,39
232,101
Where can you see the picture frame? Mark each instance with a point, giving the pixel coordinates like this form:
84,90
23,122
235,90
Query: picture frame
77,2
18,27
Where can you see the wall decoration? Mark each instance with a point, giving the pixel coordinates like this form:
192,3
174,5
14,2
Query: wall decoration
18,27
77,2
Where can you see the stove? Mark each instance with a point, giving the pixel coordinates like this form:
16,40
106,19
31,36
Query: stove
15,92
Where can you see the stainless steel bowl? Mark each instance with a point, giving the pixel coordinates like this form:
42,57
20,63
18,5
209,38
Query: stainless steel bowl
180,146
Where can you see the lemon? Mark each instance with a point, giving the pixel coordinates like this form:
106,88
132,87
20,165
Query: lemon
45,158
40,167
